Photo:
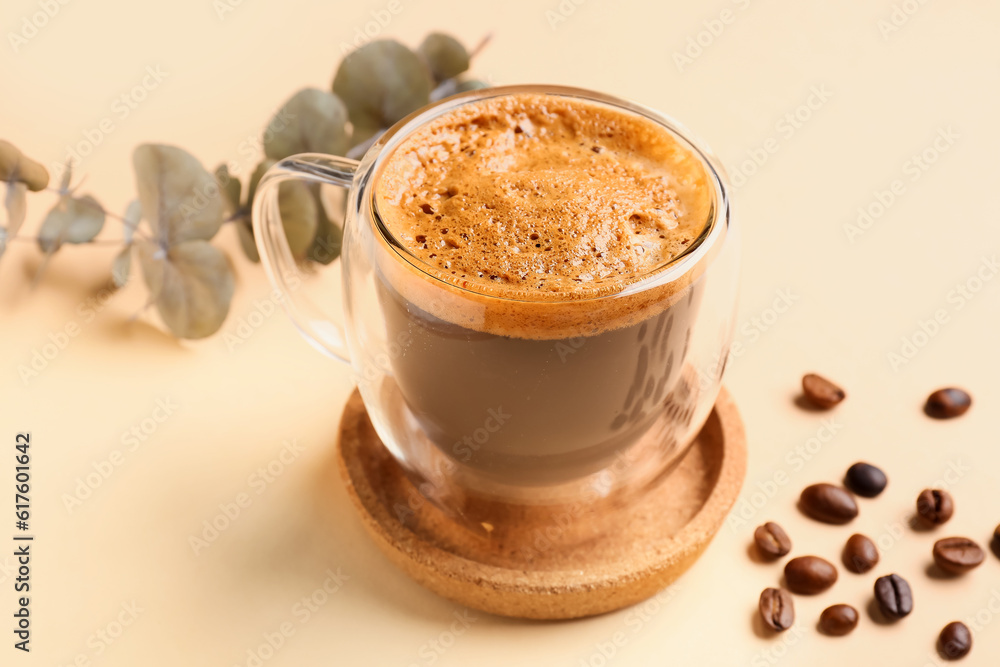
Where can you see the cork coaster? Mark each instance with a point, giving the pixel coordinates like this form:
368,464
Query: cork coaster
520,564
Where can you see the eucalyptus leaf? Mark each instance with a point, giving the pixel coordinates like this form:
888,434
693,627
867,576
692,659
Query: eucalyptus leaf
15,166
230,187
298,216
255,177
445,56
72,220
312,121
121,266
381,82
470,84
133,215
363,137
244,231
192,285
329,237
450,87
181,201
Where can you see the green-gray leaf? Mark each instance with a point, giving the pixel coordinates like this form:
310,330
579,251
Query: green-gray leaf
72,220
329,236
445,56
244,231
230,187
181,201
381,82
298,216
312,121
255,177
364,136
15,166
192,285
470,84
121,266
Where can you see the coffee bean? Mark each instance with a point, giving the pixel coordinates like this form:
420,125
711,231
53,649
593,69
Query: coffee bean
821,392
996,541
957,554
947,403
935,506
865,480
894,596
860,554
955,641
776,608
838,620
772,541
808,575
828,503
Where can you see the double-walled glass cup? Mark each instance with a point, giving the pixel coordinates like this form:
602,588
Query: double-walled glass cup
543,409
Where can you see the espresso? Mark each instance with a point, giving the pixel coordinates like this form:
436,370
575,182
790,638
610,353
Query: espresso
518,218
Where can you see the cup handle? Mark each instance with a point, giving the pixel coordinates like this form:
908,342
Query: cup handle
323,332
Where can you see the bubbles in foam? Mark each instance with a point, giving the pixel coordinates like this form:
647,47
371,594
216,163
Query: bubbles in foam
540,193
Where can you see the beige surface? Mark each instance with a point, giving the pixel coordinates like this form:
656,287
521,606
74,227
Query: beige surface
880,101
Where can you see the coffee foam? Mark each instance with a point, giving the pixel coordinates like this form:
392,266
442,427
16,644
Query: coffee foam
534,206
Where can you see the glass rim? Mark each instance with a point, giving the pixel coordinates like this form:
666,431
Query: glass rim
703,247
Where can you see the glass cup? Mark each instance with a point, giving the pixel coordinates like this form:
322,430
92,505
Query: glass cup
482,416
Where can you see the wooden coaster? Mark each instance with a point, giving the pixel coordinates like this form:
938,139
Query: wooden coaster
525,571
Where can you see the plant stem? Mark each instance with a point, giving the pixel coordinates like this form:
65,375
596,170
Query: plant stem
36,239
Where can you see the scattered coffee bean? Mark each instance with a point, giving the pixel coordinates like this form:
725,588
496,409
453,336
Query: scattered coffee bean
955,641
860,554
935,506
957,554
838,620
776,608
808,575
996,541
865,480
821,392
894,596
947,403
772,541
828,503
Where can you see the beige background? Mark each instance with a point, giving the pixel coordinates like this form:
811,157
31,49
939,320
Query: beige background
887,95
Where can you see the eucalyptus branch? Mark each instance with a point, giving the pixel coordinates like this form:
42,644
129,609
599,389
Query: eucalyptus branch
190,281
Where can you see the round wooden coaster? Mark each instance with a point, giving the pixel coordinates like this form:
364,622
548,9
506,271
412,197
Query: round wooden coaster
525,572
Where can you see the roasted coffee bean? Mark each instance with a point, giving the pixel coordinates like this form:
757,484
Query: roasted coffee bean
865,480
860,554
957,554
947,403
838,619
996,541
828,503
808,575
935,506
776,608
772,541
894,596
821,392
955,641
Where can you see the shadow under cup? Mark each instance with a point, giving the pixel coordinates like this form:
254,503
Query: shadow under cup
587,400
